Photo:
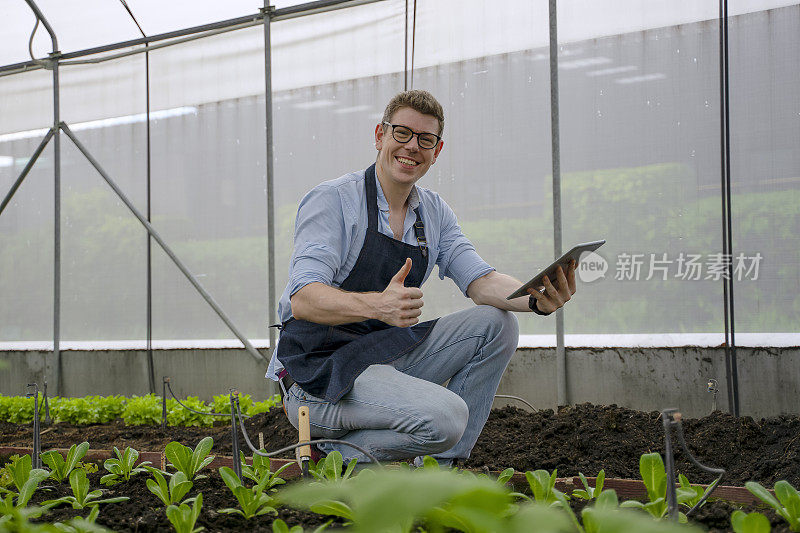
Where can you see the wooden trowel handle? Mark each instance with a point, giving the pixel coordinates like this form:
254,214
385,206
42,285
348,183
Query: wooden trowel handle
304,425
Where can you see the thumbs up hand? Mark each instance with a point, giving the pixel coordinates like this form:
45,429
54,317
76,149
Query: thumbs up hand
399,305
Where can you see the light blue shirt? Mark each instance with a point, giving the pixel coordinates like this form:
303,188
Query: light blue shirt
331,225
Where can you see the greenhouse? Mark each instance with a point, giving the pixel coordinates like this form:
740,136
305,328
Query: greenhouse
181,282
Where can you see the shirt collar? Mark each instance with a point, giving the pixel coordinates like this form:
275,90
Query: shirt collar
383,205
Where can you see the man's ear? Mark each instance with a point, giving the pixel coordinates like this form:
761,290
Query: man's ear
379,133
437,150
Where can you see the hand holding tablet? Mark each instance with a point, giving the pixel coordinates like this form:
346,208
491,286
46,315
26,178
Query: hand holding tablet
550,272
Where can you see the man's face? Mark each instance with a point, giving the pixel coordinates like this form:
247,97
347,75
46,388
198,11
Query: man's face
405,163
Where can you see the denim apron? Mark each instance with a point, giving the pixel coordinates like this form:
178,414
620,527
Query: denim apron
325,360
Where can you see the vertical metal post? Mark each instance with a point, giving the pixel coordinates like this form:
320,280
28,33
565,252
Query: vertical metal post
164,381
267,10
37,445
47,420
151,376
672,498
561,361
237,465
731,370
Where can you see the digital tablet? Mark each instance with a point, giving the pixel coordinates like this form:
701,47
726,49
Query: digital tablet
550,271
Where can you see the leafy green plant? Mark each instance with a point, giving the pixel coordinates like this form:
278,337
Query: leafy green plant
122,467
261,470
59,468
83,525
184,518
690,495
188,461
542,485
329,468
604,501
786,501
439,498
15,518
253,501
654,475
25,479
178,416
587,492
81,496
141,410
750,523
172,492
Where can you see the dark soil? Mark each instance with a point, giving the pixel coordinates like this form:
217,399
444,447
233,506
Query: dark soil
586,438
583,438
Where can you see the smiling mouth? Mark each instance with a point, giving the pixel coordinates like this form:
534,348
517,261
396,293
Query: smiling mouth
406,162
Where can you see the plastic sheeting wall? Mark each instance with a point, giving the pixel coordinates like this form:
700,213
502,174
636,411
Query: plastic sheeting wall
640,165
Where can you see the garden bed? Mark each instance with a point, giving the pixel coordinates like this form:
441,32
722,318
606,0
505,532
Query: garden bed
583,438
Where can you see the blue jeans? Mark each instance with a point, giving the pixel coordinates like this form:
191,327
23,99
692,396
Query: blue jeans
399,411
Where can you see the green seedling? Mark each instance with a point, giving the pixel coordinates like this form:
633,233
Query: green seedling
329,468
15,518
59,468
279,526
81,496
184,459
589,493
604,501
25,479
172,492
253,501
690,495
184,518
261,469
123,467
750,523
654,475
83,525
543,485
787,504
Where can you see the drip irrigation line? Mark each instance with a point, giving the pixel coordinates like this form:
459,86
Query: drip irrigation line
192,410
695,462
515,398
39,62
299,444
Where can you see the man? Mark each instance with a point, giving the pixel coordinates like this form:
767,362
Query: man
351,346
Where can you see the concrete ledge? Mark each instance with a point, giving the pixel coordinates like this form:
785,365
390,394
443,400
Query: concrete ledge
640,378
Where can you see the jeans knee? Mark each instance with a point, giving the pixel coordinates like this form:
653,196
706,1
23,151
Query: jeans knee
500,324
446,423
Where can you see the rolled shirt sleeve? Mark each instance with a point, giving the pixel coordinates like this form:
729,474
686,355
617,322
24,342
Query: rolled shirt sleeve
320,239
458,259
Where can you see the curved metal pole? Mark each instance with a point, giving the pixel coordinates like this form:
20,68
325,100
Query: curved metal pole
37,12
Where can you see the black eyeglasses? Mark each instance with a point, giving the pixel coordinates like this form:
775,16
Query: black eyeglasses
403,134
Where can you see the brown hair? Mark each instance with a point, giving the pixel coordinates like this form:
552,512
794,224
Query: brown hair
418,100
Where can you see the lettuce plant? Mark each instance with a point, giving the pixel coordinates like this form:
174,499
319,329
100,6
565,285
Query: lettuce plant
83,525
184,518
60,469
261,470
589,493
184,459
750,523
15,518
786,501
172,492
329,468
690,495
122,467
25,479
654,475
252,501
81,496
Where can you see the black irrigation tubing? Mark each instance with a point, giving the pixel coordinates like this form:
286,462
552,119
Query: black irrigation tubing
192,410
515,398
299,444
720,471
